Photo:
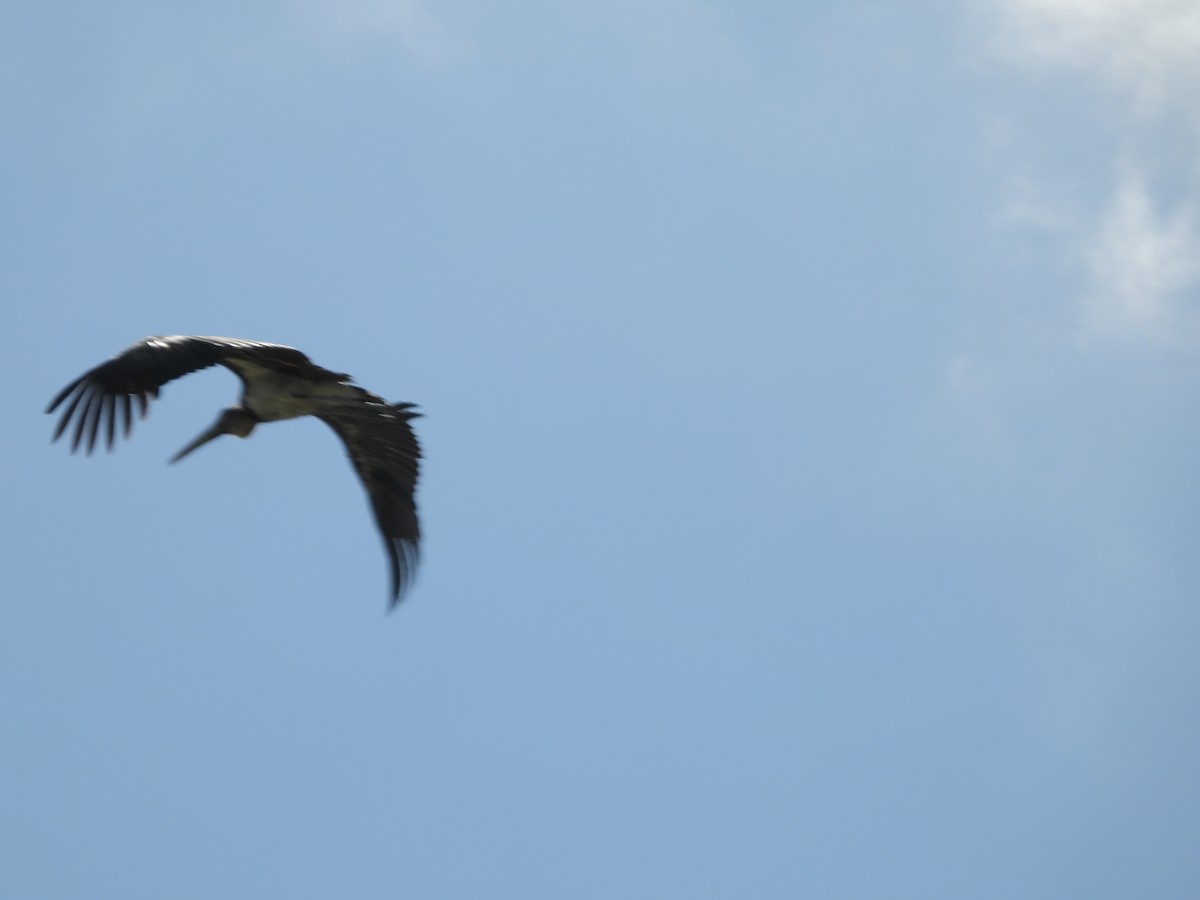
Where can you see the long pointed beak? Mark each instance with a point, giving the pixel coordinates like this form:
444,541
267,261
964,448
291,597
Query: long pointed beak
214,432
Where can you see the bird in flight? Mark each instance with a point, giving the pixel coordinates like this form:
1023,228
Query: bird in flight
277,383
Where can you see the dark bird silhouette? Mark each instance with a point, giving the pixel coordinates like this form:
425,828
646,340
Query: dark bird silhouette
277,383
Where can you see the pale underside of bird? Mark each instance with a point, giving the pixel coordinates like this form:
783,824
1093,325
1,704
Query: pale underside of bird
278,382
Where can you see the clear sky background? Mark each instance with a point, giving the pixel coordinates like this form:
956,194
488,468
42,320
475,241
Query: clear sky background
811,431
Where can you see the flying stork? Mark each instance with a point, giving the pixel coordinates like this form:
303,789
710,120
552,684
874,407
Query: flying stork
277,383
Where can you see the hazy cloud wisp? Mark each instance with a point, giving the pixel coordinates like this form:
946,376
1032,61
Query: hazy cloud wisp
1137,245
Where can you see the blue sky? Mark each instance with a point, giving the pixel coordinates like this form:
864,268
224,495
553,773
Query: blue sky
810,429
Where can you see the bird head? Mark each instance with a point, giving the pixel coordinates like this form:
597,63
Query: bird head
235,421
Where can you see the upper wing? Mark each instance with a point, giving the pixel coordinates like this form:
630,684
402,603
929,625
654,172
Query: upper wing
140,370
386,455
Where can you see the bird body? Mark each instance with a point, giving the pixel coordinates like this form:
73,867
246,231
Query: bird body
273,395
278,383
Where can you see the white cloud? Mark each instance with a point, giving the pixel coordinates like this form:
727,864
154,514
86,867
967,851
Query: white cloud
406,24
1143,260
1142,57
1148,50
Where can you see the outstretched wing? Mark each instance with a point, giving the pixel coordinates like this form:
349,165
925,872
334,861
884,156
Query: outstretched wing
106,393
386,455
